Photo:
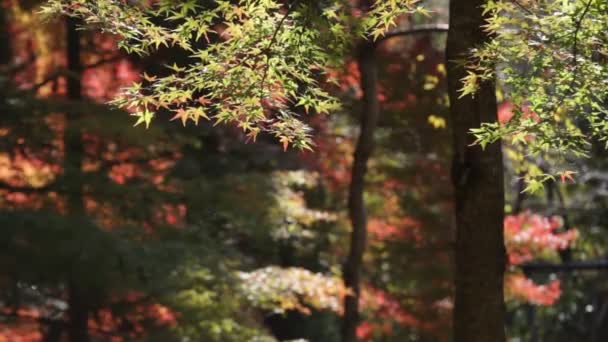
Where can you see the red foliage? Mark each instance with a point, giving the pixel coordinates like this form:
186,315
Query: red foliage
348,79
172,214
505,113
105,322
31,165
103,83
386,310
24,332
521,288
391,228
333,155
530,235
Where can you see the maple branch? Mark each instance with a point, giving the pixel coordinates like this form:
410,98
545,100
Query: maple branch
434,28
522,7
50,78
273,40
64,72
577,27
103,61
540,267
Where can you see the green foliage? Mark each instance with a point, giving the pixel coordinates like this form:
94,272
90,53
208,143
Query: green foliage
253,62
182,268
551,59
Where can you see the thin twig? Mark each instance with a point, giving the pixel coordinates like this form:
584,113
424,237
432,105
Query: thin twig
64,72
273,39
103,61
577,28
523,8
436,28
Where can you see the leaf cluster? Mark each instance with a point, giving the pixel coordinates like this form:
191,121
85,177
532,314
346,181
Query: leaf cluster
552,61
254,63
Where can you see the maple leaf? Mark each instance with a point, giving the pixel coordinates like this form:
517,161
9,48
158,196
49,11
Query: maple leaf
149,78
253,134
198,113
144,117
285,141
239,12
203,100
566,175
182,115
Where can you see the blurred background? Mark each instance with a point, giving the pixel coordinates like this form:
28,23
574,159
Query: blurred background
111,232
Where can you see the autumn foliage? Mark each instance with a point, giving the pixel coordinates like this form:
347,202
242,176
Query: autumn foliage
207,232
528,237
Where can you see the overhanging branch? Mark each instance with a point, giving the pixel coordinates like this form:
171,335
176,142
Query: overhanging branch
434,28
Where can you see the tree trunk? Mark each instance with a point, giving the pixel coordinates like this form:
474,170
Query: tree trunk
78,312
477,176
5,39
356,206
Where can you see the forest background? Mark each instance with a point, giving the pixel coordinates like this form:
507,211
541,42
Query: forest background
244,231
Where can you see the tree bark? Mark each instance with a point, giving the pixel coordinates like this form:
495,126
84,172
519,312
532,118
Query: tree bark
477,176
78,312
356,206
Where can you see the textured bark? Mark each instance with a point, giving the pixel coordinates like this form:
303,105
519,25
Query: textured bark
356,206
78,312
477,176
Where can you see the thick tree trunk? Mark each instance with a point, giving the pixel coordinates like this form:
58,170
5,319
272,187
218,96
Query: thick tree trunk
78,312
356,205
479,311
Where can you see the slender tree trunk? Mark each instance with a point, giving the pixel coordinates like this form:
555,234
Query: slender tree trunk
78,312
477,175
356,206
6,51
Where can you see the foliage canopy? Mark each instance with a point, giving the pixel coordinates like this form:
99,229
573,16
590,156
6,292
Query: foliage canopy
551,58
253,62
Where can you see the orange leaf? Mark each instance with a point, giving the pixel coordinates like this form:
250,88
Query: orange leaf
181,114
567,175
285,141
